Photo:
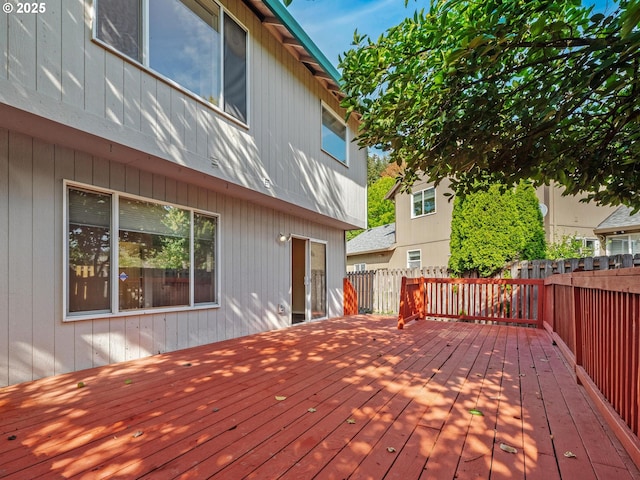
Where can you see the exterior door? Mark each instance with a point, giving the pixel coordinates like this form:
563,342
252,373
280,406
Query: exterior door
308,280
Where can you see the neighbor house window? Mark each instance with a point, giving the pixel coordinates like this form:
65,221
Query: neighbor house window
334,135
623,244
360,267
414,259
144,254
191,42
423,202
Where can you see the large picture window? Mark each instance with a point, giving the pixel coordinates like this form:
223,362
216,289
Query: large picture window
162,256
190,42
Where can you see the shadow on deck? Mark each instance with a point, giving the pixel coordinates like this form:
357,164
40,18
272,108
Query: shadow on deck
344,398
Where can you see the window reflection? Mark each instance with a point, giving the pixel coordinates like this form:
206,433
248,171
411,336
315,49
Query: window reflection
184,45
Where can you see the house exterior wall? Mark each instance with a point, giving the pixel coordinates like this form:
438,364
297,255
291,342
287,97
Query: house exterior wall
429,233
54,74
72,110
373,261
569,216
35,342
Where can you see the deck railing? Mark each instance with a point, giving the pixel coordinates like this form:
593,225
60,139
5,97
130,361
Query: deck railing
485,299
595,318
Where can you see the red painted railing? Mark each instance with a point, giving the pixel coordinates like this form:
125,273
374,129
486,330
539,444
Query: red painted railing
519,301
595,319
412,300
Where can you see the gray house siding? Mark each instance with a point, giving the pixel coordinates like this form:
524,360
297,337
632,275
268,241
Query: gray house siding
35,342
73,110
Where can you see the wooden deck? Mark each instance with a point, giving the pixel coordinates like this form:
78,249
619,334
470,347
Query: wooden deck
345,398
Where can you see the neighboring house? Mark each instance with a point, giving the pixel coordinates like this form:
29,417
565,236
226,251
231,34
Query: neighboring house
371,249
423,224
171,174
620,232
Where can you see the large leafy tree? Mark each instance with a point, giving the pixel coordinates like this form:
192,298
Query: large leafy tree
495,225
503,91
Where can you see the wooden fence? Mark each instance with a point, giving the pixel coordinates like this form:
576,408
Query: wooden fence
379,290
594,318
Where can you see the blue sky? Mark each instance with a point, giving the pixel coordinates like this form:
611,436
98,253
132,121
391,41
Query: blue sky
331,23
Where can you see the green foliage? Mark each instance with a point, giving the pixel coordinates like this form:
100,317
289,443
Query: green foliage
505,91
494,225
379,211
569,246
375,166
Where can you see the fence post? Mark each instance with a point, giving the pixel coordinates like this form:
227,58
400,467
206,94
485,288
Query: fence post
577,322
403,303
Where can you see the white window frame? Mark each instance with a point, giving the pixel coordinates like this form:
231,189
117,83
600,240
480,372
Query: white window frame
421,193
409,252
628,236
596,246
359,267
144,64
115,227
323,107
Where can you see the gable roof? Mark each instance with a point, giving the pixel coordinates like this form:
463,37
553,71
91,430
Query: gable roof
620,219
373,240
277,19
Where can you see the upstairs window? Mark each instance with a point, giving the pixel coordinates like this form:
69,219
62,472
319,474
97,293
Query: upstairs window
334,136
191,42
423,202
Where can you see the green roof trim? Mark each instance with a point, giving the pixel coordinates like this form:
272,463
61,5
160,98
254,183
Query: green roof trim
281,12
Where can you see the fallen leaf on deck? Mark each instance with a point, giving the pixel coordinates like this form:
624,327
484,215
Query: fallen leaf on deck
312,410
351,420
128,381
11,437
81,384
476,412
280,398
187,365
391,449
569,454
508,448
137,434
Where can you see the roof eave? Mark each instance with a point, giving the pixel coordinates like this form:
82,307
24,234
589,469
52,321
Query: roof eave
289,32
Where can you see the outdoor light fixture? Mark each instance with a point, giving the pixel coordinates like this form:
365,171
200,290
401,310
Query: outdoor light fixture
282,238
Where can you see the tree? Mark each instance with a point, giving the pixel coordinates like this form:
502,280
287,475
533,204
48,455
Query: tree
494,225
379,210
375,166
503,91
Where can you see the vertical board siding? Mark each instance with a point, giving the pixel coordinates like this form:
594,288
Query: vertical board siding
53,54
73,34
49,50
44,219
20,271
21,50
34,342
4,252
